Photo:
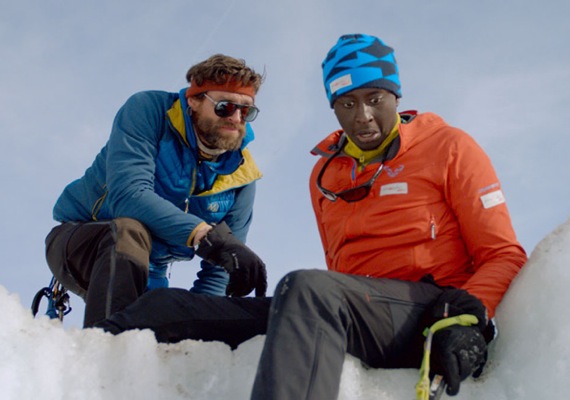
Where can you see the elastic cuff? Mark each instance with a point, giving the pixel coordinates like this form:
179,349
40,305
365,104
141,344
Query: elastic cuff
190,240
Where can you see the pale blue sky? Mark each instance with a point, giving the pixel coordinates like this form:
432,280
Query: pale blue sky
498,70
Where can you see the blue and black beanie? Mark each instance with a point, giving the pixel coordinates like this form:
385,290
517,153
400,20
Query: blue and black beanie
360,61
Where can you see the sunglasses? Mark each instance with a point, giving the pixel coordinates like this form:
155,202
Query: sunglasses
225,108
350,195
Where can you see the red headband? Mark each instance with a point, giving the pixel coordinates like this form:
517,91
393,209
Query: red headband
231,86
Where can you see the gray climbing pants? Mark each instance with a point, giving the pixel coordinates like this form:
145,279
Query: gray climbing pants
317,316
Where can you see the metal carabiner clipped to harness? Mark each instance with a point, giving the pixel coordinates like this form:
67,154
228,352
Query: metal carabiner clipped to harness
58,300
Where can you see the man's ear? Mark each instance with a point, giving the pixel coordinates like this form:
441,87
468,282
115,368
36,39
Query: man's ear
192,102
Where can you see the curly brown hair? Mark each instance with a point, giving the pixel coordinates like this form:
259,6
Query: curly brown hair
218,67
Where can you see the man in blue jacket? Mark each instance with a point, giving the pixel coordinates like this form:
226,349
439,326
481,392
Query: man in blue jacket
175,179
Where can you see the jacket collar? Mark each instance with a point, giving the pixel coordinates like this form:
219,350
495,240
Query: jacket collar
336,140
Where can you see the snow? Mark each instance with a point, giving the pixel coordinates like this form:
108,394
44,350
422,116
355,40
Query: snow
529,360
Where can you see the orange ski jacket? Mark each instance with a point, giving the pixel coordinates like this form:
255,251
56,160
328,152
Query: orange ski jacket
436,208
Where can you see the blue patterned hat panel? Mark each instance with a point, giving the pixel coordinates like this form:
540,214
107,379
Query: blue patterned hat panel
360,61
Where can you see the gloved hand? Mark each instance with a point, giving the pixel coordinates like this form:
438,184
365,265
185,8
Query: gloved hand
458,352
247,271
458,302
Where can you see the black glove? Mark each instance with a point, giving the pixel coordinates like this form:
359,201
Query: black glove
458,302
247,271
458,352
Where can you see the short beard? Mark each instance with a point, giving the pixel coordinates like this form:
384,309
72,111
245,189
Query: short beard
208,132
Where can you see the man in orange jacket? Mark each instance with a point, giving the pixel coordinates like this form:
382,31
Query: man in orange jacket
414,228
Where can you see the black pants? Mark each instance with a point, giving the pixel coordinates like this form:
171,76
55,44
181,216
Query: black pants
105,263
177,314
313,320
318,316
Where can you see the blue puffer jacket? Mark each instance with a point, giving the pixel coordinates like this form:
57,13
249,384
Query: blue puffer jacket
149,171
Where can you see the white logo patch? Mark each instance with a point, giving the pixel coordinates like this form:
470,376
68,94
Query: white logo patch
341,82
493,199
213,207
394,188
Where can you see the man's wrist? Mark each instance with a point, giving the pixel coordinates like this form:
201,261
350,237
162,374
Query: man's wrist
201,231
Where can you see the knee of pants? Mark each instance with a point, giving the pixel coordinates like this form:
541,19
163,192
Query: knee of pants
133,240
308,291
56,243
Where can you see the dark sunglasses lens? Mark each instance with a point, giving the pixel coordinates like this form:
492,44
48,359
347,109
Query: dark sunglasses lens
356,194
249,113
225,109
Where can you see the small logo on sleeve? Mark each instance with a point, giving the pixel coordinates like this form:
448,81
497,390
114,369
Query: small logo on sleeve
493,199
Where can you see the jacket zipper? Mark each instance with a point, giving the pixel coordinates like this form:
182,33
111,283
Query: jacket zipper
432,229
187,201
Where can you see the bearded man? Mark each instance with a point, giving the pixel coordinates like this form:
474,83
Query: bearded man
174,174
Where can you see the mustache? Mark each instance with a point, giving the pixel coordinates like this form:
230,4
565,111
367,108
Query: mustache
226,124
